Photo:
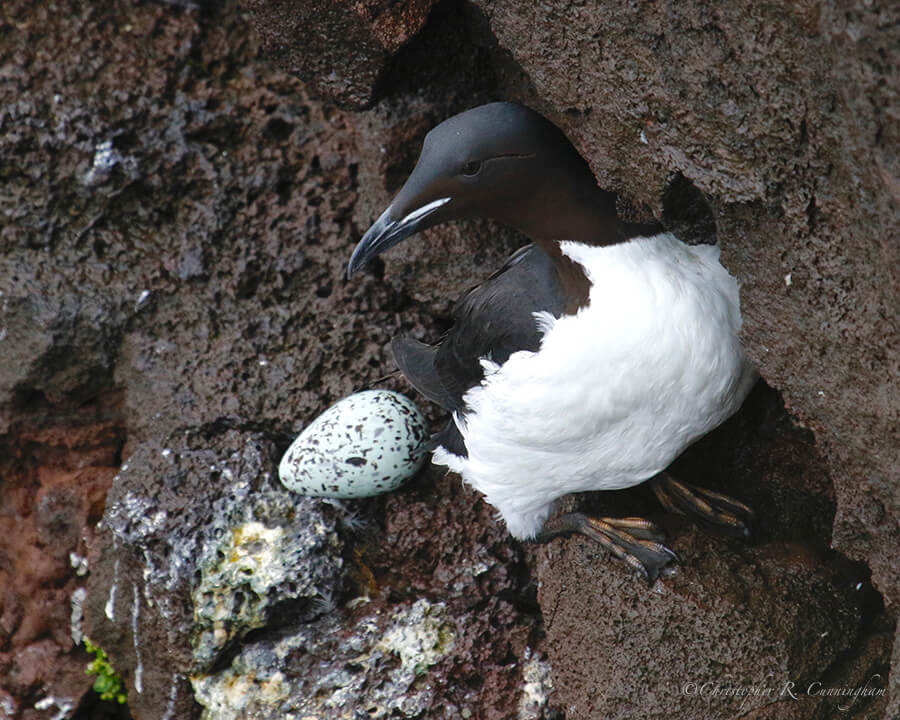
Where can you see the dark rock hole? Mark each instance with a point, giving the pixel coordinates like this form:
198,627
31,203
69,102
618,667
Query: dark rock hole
28,398
812,213
687,214
277,129
446,41
91,707
125,141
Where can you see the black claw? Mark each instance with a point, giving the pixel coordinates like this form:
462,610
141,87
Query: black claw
714,509
626,538
675,556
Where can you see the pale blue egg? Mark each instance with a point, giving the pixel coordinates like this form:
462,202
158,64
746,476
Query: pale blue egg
366,444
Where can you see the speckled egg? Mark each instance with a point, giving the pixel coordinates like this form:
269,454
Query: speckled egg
366,444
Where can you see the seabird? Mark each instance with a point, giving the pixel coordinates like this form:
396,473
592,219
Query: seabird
590,360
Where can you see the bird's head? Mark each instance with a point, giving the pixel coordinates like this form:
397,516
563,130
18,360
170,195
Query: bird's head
500,161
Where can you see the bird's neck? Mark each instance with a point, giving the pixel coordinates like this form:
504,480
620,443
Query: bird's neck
583,214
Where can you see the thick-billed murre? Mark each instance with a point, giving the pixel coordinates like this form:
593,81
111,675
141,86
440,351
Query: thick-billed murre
591,359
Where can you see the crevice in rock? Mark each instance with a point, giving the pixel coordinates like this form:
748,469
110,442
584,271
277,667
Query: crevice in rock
867,662
91,707
424,65
687,213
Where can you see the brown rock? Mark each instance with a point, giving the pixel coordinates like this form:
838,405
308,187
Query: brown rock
728,637
340,48
743,619
177,217
48,515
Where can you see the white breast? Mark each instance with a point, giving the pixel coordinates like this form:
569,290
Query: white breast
617,391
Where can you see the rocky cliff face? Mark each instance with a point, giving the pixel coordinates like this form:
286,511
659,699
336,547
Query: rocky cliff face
175,215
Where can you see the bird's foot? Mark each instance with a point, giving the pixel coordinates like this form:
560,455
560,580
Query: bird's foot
713,508
638,542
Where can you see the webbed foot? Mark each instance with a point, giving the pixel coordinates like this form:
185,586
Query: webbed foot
636,541
713,508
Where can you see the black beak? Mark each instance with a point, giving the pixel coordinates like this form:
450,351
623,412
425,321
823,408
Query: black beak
387,232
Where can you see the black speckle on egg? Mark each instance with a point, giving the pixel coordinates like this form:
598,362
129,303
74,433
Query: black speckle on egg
355,461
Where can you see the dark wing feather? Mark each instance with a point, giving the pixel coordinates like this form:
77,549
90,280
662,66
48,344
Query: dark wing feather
416,361
493,320
449,438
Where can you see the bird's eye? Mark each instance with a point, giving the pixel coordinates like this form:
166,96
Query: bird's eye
471,168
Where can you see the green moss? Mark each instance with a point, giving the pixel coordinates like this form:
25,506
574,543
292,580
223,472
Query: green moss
108,684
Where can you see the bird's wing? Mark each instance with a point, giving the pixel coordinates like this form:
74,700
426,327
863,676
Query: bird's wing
416,361
493,320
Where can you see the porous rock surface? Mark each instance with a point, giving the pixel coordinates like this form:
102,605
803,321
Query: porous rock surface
311,39
175,218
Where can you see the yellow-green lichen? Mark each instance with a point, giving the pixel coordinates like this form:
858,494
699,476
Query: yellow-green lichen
420,635
108,684
230,695
231,596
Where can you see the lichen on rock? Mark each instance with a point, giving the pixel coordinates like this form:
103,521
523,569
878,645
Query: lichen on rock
419,636
374,669
204,546
537,686
256,567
